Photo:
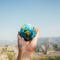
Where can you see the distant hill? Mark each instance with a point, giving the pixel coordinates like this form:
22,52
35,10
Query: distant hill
40,41
8,42
49,42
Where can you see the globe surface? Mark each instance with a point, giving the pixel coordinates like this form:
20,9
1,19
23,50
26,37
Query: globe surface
28,32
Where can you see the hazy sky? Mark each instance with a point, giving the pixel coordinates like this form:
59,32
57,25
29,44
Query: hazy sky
45,13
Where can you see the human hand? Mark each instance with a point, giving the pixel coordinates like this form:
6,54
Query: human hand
29,45
26,48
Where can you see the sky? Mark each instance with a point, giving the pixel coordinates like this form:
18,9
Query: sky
42,13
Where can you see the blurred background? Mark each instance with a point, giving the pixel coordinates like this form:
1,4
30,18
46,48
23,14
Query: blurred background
42,13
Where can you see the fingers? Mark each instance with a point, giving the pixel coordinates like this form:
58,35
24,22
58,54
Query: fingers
38,32
21,41
19,37
36,38
38,29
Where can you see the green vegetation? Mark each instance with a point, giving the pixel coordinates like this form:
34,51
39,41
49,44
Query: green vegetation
10,54
54,58
49,58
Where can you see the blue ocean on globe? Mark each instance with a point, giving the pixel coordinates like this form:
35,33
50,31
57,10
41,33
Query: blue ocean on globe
28,32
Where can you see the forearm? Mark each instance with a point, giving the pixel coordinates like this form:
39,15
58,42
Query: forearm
19,54
23,56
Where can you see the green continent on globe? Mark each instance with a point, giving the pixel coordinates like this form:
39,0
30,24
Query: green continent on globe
28,32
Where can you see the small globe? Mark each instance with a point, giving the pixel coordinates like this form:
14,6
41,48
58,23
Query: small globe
28,32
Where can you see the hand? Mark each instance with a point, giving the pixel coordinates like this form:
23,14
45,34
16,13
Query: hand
26,48
28,44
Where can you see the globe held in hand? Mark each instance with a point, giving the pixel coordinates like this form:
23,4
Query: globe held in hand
28,32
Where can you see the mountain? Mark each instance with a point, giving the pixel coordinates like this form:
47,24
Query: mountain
8,42
40,41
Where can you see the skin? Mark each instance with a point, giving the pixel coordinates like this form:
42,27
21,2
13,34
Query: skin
28,48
